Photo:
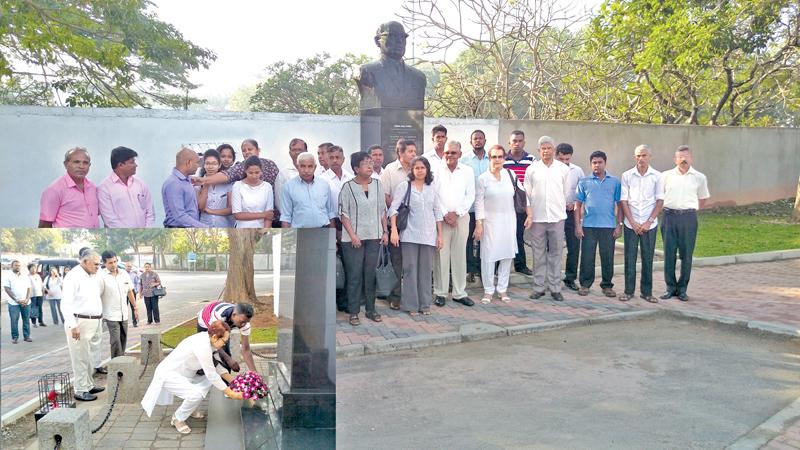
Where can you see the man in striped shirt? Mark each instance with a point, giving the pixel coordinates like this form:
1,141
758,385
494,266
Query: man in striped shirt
518,161
236,315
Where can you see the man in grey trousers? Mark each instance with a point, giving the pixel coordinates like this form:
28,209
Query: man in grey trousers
116,292
547,189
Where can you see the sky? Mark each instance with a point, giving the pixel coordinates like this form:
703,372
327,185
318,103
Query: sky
247,36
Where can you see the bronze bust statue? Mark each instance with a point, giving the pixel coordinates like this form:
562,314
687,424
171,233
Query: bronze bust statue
389,82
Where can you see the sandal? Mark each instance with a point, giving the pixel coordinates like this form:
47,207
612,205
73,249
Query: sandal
649,298
625,297
426,312
197,414
373,316
487,298
354,321
180,426
505,298
412,313
394,306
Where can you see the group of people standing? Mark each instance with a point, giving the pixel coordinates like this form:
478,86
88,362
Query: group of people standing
445,216
26,295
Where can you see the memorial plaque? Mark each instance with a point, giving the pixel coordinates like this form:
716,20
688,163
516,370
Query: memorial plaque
384,126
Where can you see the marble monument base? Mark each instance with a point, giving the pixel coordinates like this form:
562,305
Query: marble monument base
384,126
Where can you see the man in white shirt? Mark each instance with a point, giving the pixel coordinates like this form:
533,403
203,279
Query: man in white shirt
37,296
322,158
564,154
546,187
83,309
296,146
336,175
117,296
641,199
18,288
455,186
685,191
435,157
376,154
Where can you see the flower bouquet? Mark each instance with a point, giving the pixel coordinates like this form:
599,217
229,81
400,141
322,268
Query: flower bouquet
251,385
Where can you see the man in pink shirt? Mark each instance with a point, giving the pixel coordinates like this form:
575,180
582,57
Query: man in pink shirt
125,201
71,200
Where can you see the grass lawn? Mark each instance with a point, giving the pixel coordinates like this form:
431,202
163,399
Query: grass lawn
754,228
260,335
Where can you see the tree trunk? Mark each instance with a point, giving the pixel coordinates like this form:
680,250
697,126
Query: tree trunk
796,213
240,284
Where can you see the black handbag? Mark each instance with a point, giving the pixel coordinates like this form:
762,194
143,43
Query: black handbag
520,197
159,291
403,210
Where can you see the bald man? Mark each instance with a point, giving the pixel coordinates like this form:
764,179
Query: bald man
180,200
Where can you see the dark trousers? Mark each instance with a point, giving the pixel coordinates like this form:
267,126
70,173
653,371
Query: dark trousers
592,238
520,260
133,317
396,255
117,336
646,243
573,248
473,248
55,309
14,313
36,309
359,264
151,303
679,232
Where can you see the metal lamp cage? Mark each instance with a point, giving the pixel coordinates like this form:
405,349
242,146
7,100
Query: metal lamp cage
55,391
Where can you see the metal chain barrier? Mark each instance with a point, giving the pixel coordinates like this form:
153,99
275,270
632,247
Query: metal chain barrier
146,358
167,345
110,407
260,355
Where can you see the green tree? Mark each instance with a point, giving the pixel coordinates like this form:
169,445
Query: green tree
313,85
94,53
702,62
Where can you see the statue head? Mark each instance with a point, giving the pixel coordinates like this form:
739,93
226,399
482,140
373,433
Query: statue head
391,39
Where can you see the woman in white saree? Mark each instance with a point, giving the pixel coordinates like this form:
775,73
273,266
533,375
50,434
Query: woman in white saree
176,376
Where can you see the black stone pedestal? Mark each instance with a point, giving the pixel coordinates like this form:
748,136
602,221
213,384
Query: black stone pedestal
384,126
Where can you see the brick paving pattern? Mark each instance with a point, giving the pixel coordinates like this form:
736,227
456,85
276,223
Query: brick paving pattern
767,292
788,440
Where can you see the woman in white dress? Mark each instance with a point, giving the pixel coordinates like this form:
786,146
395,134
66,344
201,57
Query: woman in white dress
251,198
214,200
176,376
495,222
52,293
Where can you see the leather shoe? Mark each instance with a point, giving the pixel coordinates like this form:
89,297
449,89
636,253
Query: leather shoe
96,389
524,271
571,285
667,295
42,325
583,291
15,341
85,396
27,339
439,301
466,301
536,295
683,297
557,296
102,370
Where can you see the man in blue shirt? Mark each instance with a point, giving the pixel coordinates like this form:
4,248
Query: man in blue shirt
177,192
307,200
598,220
479,161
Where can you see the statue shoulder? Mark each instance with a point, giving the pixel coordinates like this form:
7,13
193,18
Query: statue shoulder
417,74
366,73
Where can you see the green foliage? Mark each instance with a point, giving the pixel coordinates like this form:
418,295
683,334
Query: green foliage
94,53
260,335
700,62
313,85
23,240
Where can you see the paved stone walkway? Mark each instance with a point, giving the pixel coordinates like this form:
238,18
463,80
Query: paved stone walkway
765,292
788,440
